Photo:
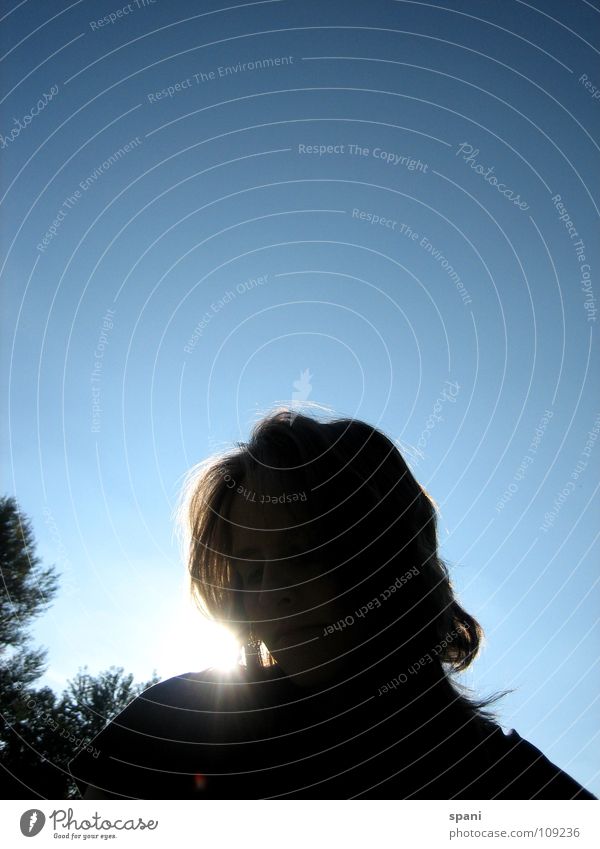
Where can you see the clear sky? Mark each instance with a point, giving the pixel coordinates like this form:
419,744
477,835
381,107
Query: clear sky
387,208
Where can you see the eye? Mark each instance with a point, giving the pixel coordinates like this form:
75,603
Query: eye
253,576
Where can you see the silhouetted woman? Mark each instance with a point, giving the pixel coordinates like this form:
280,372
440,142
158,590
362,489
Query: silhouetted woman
317,546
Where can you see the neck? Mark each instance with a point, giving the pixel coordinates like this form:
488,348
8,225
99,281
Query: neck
425,691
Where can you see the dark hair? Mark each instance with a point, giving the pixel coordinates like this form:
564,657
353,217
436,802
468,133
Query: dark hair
360,506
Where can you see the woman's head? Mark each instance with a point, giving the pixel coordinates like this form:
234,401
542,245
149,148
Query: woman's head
315,537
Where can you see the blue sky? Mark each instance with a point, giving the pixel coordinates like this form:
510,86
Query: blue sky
229,197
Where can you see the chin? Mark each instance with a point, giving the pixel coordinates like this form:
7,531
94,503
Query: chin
306,671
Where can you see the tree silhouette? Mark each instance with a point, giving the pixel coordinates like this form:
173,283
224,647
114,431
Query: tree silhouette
40,731
26,591
46,730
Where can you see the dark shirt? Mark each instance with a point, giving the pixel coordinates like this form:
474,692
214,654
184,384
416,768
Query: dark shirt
241,735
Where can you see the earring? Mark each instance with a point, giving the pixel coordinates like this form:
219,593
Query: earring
252,650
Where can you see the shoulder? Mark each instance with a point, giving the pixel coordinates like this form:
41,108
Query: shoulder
522,771
193,689
208,690
170,725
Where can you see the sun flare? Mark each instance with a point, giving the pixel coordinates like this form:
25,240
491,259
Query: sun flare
192,643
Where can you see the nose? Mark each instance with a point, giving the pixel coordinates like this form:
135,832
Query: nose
277,592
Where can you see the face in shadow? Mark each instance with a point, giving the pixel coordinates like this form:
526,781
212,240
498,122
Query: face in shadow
290,596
